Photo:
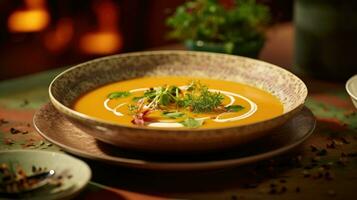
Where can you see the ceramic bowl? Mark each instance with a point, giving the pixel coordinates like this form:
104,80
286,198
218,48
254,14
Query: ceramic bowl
351,87
74,82
75,174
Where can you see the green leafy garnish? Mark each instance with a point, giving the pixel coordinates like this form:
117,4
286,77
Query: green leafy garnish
136,99
173,115
132,108
175,103
234,108
200,100
119,94
192,122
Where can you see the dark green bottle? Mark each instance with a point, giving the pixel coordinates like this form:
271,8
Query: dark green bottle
326,38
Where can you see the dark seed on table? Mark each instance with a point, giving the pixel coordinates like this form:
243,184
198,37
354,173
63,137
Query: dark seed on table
326,166
283,189
321,152
313,148
14,131
315,159
306,173
331,145
317,176
352,154
8,141
328,176
69,176
59,177
3,121
272,191
28,125
250,185
344,140
6,177
272,185
24,103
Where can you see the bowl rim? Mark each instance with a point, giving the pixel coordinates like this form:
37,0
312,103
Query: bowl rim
80,116
348,85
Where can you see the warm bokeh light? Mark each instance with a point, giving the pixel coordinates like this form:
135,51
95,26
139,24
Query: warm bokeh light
101,42
107,38
34,17
60,37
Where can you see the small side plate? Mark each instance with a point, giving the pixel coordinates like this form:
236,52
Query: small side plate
74,173
57,129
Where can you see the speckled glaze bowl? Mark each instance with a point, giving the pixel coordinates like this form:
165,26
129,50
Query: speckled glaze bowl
74,82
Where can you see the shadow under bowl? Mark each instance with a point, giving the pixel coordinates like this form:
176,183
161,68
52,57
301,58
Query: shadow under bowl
80,79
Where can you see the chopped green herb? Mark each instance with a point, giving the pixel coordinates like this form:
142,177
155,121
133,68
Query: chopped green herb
164,99
136,99
119,94
234,108
199,99
132,108
173,115
192,122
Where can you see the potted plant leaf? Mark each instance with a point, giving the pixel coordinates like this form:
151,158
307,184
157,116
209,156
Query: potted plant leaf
206,25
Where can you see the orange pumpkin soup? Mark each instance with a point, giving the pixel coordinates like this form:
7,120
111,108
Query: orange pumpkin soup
179,102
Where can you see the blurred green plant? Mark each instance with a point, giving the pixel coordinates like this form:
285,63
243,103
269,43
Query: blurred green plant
241,25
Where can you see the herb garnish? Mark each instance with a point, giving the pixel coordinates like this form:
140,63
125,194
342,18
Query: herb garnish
192,122
172,101
234,108
173,115
200,100
119,94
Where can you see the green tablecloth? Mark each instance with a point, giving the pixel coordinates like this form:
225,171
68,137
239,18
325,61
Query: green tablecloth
323,167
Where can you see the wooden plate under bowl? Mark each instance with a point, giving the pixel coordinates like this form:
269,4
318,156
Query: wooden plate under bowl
55,128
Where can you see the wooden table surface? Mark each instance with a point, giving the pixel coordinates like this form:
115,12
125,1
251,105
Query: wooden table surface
324,167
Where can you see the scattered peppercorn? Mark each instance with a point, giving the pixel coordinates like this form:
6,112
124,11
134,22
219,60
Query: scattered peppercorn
321,152
282,181
313,148
24,103
8,141
14,131
345,141
283,189
272,191
352,154
3,121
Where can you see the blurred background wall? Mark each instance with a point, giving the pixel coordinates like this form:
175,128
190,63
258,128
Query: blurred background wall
36,35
